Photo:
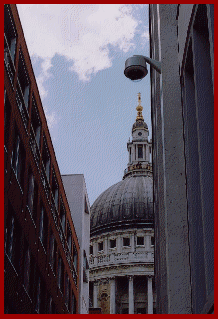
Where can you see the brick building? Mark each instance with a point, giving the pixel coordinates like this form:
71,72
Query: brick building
41,257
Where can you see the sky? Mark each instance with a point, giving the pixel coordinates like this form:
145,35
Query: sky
78,54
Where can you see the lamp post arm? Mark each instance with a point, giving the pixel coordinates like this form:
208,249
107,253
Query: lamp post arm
155,64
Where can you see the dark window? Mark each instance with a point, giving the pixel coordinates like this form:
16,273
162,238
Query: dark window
63,216
35,121
7,115
91,249
18,159
140,151
43,227
9,31
141,311
112,243
125,310
51,306
52,251
67,290
13,235
152,241
46,158
69,237
126,241
75,257
32,195
61,274
55,189
38,294
23,80
26,266
140,240
73,304
30,190
100,246
140,133
9,43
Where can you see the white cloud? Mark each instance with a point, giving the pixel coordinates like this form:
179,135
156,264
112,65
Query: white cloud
43,76
145,35
81,33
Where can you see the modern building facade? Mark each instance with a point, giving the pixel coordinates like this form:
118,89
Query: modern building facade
75,189
41,264
182,38
122,235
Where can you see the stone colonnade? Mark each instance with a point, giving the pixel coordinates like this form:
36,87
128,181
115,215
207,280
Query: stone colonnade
130,293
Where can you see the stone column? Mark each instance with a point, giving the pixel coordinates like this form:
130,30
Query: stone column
131,295
106,245
119,244
147,242
95,252
150,295
133,153
112,295
144,152
95,294
132,242
147,152
130,154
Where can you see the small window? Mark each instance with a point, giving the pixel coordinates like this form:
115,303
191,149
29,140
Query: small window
43,227
10,31
60,274
91,250
112,243
69,237
73,303
7,115
67,289
18,159
55,189
100,246
75,257
35,121
63,216
23,79
140,151
46,158
140,241
52,251
126,241
125,310
152,241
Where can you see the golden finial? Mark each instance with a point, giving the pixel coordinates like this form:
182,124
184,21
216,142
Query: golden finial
139,109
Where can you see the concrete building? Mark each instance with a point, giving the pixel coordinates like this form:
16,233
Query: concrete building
77,196
122,235
41,248
182,98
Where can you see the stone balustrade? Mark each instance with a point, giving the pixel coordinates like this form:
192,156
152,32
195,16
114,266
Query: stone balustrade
121,258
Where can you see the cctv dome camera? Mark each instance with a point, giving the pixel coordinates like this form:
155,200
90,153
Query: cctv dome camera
135,68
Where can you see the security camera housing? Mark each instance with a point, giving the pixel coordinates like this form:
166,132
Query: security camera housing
135,68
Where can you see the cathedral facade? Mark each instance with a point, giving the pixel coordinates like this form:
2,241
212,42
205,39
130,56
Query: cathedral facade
122,235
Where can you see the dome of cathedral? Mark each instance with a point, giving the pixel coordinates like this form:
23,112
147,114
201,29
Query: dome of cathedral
139,124
129,203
